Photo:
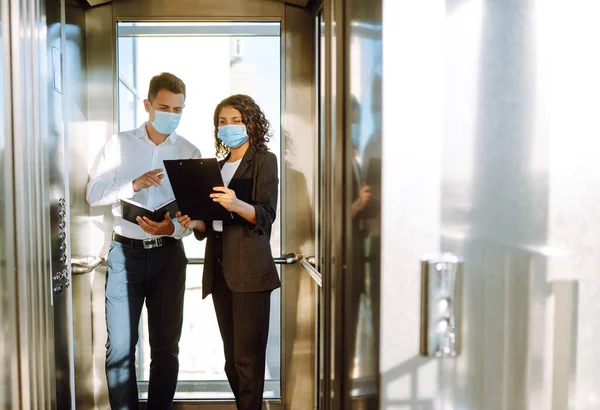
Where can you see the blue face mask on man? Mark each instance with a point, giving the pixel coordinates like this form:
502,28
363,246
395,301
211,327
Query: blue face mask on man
232,135
165,122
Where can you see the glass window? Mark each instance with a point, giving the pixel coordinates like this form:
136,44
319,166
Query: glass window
127,107
214,60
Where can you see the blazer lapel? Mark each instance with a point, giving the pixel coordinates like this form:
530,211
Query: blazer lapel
245,163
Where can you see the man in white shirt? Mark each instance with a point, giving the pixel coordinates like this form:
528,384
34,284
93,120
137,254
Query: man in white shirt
146,261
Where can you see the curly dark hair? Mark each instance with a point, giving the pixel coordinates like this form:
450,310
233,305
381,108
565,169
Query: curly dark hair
257,125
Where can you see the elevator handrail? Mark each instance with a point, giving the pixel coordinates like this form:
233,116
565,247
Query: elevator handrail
308,263
287,259
85,264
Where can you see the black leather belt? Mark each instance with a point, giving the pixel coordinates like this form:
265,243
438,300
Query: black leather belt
144,243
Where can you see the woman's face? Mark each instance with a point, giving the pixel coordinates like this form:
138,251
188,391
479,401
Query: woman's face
230,116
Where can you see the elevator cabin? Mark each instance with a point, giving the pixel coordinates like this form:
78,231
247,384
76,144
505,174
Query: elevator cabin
76,72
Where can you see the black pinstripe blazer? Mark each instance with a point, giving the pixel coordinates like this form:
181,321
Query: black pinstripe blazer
247,259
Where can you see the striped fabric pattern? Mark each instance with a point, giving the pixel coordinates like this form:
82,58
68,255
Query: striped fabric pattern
247,259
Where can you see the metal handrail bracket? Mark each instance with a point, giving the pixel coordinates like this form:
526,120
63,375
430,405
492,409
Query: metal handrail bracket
308,263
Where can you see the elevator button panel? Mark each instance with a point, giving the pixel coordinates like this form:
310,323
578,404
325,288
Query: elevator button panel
60,280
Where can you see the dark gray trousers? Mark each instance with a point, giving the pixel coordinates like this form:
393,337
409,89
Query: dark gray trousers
156,276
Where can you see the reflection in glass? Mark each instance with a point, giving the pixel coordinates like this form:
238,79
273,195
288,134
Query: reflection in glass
320,97
364,139
215,61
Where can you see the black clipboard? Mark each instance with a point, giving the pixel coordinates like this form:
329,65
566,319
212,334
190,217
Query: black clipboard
373,180
192,181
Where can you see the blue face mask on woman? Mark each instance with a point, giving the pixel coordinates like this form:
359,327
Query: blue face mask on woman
165,122
232,135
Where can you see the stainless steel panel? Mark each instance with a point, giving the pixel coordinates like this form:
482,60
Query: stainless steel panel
94,3
321,216
9,364
330,217
32,232
349,248
194,10
301,3
298,199
56,143
32,151
90,121
513,189
362,201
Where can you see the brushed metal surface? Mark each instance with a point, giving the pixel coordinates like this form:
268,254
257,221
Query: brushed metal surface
9,367
362,105
298,196
195,10
301,3
494,164
90,121
36,241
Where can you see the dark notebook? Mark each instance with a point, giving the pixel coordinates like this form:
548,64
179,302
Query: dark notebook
193,181
373,180
131,210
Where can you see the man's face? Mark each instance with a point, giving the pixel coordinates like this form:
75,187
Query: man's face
165,101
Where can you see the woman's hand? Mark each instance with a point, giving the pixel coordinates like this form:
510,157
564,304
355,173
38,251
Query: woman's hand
226,197
187,223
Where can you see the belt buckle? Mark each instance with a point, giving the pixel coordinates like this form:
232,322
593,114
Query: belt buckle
150,243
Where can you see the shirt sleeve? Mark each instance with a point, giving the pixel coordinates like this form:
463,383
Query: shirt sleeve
179,232
103,188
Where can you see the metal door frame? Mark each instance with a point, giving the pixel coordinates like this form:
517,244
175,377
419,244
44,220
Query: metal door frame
297,101
33,367
8,278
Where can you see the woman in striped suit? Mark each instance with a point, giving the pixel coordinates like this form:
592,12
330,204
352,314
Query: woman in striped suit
239,269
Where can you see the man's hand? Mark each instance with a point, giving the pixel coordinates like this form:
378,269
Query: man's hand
359,204
226,197
150,178
187,223
165,227
364,196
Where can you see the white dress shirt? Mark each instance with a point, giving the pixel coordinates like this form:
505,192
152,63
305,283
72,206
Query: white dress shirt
227,173
126,156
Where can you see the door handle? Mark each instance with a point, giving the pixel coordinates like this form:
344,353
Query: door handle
85,264
441,305
288,259
308,263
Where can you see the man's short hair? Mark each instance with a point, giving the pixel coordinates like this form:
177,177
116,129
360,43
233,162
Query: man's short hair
165,81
